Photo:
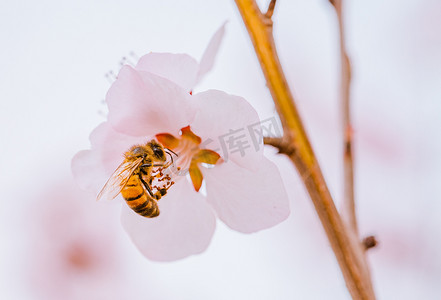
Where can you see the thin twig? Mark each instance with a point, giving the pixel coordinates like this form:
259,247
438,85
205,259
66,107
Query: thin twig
348,250
278,143
270,10
348,209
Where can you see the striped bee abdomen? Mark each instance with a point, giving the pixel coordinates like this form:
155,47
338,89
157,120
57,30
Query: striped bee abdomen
137,198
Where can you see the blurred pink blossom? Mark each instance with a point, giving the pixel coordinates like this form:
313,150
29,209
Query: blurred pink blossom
243,188
75,253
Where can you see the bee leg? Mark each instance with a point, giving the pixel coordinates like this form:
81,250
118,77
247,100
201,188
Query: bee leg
160,193
152,165
147,187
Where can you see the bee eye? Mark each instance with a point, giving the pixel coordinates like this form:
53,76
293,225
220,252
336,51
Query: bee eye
158,152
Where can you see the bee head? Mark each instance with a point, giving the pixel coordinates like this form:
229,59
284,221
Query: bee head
136,152
157,149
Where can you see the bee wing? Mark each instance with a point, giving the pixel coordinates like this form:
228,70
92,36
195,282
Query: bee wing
119,179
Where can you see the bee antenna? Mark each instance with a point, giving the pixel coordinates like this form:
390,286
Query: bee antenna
171,151
168,152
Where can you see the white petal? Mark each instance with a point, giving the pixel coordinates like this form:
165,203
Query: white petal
92,168
181,69
184,227
230,126
111,145
88,171
247,201
207,60
144,104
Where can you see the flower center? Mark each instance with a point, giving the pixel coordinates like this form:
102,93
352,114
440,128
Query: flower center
190,156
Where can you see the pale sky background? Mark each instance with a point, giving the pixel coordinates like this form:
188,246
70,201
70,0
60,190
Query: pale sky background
55,54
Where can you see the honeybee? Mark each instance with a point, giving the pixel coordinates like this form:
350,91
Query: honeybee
134,177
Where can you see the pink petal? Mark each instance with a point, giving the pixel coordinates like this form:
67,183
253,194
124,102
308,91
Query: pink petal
184,227
245,200
227,124
92,168
207,60
144,104
88,171
111,145
181,69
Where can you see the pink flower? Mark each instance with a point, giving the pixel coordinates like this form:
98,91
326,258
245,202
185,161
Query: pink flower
73,248
210,132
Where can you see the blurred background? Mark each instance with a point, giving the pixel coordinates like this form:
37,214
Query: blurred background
58,243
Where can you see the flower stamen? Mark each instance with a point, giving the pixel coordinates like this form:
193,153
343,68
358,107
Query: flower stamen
191,156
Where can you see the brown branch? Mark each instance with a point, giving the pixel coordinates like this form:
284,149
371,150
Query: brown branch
280,144
270,10
348,209
348,250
